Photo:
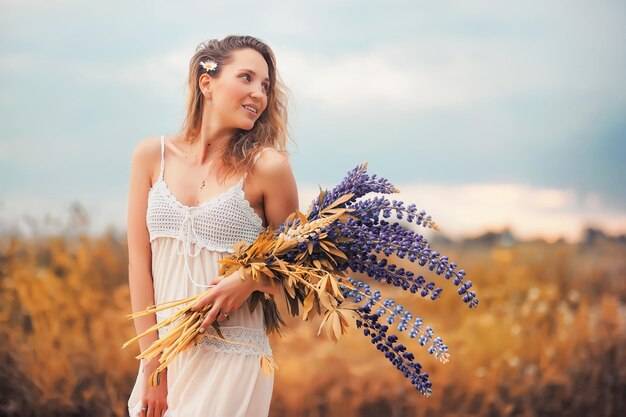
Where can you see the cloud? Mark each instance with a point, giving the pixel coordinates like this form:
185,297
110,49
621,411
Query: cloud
436,72
482,53
530,212
163,74
503,54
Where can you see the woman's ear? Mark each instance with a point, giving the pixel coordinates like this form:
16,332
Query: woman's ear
205,83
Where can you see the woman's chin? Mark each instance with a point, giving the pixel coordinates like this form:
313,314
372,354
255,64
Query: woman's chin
243,124
247,126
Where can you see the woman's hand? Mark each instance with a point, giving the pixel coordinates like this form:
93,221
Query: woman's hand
228,295
153,400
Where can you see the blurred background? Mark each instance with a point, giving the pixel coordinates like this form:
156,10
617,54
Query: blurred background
503,120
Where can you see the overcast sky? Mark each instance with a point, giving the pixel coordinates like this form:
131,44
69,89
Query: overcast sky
485,114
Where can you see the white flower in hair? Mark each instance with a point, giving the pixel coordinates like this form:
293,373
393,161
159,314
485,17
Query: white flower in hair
208,65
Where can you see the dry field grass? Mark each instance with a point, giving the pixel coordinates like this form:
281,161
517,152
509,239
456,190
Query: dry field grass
548,338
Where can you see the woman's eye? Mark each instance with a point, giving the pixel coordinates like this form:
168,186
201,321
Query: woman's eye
266,86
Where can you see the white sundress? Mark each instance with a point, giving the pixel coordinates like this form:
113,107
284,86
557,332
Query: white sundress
213,378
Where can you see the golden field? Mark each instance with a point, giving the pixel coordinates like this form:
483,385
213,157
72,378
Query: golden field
548,338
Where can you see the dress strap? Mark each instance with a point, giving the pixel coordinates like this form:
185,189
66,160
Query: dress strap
256,157
162,156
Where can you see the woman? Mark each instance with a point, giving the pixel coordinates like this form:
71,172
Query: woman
192,197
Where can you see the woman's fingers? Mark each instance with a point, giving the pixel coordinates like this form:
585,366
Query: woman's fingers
202,302
210,317
222,316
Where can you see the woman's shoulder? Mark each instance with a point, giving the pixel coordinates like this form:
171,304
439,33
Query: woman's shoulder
272,163
270,158
148,146
147,154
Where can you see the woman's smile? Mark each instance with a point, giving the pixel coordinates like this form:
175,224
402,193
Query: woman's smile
249,111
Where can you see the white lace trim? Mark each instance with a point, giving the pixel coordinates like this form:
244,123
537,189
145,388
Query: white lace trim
253,341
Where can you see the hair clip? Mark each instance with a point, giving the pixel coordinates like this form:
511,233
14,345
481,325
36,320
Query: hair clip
209,65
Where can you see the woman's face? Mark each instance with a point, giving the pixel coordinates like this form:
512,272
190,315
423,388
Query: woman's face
243,82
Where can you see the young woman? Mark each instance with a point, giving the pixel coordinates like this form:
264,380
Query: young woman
221,180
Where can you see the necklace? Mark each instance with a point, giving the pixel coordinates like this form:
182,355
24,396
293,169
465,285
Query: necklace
202,184
195,158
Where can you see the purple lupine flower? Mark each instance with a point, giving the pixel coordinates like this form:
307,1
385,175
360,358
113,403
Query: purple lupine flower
357,182
437,347
396,353
366,237
370,209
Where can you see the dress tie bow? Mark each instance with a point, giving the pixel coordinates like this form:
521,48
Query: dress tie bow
187,236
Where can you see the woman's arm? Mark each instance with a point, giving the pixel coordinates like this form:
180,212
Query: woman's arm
153,400
280,197
139,251
280,193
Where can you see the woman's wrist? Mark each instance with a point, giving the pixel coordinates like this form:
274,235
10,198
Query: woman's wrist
264,284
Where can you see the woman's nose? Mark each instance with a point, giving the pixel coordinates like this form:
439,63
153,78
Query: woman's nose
258,92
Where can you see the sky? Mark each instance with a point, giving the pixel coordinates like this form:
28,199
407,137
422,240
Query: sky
487,115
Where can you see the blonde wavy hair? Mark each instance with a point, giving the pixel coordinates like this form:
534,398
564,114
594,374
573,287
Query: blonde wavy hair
270,129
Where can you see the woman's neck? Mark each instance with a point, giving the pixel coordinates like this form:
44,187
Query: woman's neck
210,143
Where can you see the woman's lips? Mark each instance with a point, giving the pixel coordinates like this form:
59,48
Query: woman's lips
248,111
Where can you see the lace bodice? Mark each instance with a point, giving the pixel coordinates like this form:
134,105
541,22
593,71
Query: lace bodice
215,225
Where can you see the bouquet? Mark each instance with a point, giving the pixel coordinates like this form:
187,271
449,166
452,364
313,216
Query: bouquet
309,257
